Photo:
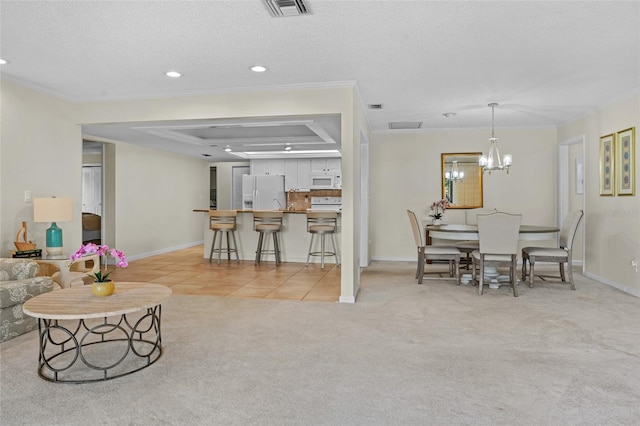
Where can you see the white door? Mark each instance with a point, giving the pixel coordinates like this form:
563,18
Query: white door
92,189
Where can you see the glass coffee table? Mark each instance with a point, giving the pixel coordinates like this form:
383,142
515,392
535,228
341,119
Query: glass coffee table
84,338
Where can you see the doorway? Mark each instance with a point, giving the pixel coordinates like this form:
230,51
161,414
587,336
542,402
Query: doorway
571,184
92,192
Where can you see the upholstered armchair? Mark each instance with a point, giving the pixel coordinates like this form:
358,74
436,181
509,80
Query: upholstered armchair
18,283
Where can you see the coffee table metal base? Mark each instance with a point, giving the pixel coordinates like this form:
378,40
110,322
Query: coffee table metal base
82,351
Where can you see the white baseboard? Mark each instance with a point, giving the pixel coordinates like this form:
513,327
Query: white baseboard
347,299
164,250
621,287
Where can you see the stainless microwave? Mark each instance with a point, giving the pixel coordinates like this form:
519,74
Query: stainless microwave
322,181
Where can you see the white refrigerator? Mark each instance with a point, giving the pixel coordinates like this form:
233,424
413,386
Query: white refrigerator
263,192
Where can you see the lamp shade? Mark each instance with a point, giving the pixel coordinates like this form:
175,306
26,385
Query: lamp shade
52,209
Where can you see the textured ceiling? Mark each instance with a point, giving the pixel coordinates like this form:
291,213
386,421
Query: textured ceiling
544,62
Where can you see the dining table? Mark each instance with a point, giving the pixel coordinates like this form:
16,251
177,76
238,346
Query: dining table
470,232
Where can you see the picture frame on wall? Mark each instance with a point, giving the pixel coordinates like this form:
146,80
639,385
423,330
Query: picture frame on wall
607,163
625,162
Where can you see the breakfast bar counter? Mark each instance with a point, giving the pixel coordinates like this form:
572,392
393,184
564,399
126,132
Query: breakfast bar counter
294,238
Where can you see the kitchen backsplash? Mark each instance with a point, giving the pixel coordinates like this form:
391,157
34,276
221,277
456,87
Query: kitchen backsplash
301,200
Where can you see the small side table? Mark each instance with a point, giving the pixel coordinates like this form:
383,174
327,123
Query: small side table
66,277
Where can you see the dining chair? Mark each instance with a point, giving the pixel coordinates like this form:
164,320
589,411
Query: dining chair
433,252
322,223
223,222
267,222
560,255
468,246
498,234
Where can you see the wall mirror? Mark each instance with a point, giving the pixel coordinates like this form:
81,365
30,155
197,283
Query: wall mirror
462,179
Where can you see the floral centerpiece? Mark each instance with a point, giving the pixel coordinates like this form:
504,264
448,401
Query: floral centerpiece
102,285
438,208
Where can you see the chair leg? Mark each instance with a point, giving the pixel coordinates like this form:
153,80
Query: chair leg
213,245
310,245
220,246
457,266
569,262
514,278
524,267
235,246
562,272
259,249
532,265
481,279
276,247
421,261
322,251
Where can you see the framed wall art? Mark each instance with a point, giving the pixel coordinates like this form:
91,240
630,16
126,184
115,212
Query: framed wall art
607,144
625,162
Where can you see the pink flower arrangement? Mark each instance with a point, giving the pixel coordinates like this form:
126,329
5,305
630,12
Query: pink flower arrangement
438,208
103,250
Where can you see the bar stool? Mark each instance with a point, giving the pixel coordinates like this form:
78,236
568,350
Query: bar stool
322,224
223,222
267,222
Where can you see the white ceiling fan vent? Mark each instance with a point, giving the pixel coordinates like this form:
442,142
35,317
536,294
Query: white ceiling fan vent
279,8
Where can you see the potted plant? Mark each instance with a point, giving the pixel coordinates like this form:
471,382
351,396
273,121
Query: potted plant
102,284
438,208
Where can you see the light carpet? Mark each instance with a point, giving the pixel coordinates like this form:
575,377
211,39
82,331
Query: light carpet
404,354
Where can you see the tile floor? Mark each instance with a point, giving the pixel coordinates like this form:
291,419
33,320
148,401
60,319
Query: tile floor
187,272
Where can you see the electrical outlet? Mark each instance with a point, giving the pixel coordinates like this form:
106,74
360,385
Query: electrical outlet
634,264
27,196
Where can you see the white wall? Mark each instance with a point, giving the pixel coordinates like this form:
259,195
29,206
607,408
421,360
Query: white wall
62,137
612,224
40,151
156,192
41,147
405,174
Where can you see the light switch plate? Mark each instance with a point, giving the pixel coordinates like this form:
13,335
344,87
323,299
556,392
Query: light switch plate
27,196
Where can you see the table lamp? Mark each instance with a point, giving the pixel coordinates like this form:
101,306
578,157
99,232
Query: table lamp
53,210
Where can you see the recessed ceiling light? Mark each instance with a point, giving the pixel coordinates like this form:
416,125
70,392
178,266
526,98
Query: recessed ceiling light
258,68
288,148
449,114
3,61
227,149
174,74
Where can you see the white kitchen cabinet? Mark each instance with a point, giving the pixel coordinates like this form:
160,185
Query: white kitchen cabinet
290,174
304,175
267,167
325,165
297,174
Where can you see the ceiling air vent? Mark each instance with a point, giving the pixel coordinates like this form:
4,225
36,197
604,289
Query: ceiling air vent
279,8
399,125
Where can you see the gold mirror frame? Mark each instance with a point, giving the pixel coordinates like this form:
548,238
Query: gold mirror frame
465,194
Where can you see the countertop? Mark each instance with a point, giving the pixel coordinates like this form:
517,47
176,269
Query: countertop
251,211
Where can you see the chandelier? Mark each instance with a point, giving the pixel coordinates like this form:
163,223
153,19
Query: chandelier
493,161
454,174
